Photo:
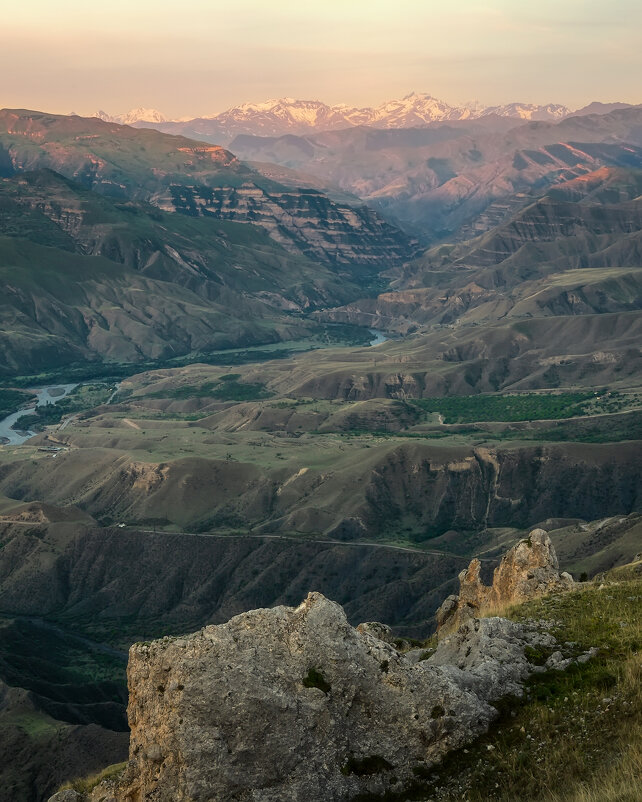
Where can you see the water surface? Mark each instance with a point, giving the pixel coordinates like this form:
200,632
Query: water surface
44,395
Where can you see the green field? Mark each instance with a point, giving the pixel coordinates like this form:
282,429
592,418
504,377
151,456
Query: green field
227,388
523,407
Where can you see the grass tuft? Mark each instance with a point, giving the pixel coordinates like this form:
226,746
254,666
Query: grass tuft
84,785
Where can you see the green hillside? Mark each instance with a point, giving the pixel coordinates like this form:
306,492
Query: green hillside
577,736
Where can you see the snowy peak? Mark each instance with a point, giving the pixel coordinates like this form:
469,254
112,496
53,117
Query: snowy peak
142,115
552,112
416,109
287,115
138,115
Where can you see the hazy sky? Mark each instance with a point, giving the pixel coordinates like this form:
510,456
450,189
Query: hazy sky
192,57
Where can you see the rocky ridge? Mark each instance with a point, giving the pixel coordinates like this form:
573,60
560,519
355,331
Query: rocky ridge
529,570
292,703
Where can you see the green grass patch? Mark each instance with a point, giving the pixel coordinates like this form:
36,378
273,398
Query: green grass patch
521,407
577,734
233,390
85,785
226,388
34,724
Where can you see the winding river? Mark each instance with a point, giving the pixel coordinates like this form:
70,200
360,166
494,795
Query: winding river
54,392
44,395
379,337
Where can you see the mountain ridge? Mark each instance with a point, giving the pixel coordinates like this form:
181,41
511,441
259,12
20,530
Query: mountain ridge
86,276
277,116
435,180
178,174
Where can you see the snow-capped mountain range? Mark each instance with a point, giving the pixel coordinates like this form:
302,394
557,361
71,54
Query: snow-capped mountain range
288,115
134,116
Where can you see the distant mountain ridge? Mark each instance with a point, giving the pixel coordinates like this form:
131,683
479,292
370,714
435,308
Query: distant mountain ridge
288,115
140,114
436,179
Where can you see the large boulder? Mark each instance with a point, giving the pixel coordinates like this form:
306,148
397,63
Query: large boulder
527,571
288,704
294,703
284,704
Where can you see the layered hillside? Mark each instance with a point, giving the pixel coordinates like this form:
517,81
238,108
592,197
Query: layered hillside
87,277
178,174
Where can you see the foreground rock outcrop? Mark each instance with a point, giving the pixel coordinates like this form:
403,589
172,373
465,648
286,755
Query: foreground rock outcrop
530,569
294,703
288,703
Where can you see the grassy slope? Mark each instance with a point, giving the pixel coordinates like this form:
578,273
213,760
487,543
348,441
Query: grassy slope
115,158
302,468
577,737
52,684
66,307
50,210
234,452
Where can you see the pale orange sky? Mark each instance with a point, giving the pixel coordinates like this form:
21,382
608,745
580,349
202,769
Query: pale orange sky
203,56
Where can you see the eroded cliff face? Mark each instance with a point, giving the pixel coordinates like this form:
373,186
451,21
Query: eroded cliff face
430,488
294,703
303,221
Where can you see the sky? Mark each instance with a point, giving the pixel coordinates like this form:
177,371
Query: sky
200,57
